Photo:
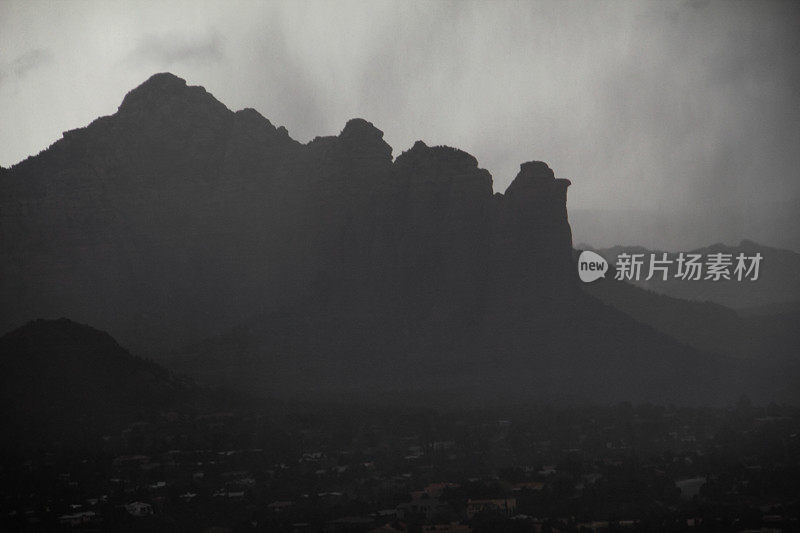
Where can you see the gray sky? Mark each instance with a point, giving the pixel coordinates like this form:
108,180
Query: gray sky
685,113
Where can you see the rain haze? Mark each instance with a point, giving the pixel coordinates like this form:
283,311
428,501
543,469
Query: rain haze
678,123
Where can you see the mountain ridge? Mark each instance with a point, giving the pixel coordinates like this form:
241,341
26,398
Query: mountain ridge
157,148
176,219
778,283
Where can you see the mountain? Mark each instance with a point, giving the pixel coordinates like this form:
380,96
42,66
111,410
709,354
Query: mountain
66,380
327,267
144,207
695,312
759,333
198,218
778,282
770,223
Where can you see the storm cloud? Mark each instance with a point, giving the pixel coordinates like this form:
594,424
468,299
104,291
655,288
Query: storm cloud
24,63
177,49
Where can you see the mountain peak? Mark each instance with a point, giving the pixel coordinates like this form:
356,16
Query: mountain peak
163,79
253,117
166,89
421,155
534,179
536,169
161,84
360,126
62,332
362,136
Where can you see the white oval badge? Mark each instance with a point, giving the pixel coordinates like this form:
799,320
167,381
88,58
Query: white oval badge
591,266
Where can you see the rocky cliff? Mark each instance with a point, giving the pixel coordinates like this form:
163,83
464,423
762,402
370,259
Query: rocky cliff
176,213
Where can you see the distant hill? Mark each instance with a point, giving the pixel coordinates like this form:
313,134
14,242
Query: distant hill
772,223
590,351
63,380
778,283
765,333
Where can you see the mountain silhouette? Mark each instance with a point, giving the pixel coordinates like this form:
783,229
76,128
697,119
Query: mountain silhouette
64,381
323,267
778,282
755,333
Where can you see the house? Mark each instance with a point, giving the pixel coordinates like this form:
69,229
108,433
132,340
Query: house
279,506
527,485
435,490
351,523
507,506
453,527
77,519
427,507
139,509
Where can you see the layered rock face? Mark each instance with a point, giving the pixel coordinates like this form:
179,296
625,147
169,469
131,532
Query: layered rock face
327,264
142,213
177,214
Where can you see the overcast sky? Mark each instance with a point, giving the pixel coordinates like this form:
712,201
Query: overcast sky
686,113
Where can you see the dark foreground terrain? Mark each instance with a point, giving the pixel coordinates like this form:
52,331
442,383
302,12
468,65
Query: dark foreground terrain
96,439
349,468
